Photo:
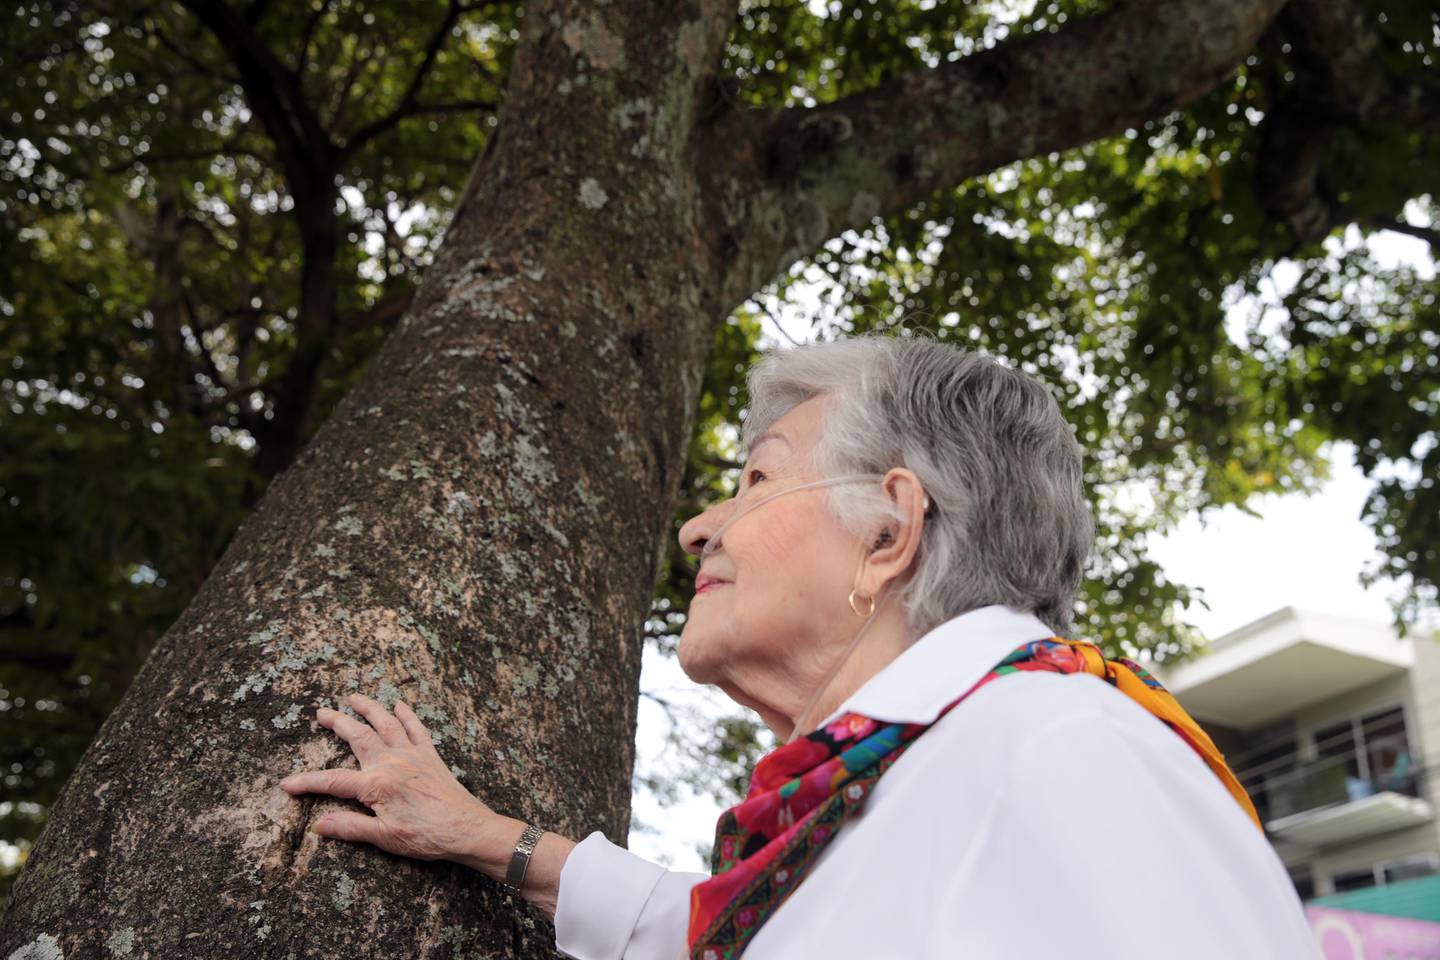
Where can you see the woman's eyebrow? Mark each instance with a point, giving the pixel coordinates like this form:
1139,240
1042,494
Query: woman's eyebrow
767,435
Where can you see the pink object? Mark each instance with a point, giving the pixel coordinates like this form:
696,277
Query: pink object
1352,935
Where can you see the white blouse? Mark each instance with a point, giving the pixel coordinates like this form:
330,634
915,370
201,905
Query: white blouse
1048,815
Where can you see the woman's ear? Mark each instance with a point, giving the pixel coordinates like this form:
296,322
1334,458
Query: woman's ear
895,546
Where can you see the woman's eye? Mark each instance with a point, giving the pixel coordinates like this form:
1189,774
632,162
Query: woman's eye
752,474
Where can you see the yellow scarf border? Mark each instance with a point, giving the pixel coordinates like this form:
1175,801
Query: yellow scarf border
1161,703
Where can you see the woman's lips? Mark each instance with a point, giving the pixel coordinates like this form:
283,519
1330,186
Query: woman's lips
709,585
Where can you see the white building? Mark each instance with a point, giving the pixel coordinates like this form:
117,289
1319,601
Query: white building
1333,725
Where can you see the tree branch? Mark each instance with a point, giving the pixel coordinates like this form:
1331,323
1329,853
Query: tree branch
807,174
305,151
154,159
308,36
211,370
1429,234
53,662
181,53
255,11
385,312
309,160
407,101
1333,45
452,106
158,239
1337,83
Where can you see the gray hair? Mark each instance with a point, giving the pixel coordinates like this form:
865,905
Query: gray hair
1010,523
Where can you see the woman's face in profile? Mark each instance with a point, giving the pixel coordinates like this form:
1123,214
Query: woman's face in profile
765,632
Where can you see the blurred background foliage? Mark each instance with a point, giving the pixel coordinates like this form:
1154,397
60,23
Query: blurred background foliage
212,215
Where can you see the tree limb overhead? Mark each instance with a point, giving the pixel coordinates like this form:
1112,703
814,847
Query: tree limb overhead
807,174
407,103
1339,81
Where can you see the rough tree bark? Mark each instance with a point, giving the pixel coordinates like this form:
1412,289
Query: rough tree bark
479,526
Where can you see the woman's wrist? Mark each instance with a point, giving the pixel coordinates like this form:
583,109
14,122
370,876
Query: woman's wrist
489,845
493,845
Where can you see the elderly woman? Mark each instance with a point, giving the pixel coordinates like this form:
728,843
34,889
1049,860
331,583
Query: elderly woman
885,590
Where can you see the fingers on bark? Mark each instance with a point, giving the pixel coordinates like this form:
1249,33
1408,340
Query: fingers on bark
388,728
359,734
349,825
336,782
414,728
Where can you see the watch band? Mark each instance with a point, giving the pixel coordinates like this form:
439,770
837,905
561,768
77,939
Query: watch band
520,859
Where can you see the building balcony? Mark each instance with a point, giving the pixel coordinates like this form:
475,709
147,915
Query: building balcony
1284,662
1323,803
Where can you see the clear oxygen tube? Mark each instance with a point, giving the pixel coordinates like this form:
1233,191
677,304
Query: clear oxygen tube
712,544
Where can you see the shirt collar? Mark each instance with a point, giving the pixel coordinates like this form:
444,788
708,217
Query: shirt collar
943,664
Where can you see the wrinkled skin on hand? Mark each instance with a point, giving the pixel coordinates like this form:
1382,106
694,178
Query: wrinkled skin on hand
419,809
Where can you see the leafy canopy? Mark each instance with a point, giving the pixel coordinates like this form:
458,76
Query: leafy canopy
156,242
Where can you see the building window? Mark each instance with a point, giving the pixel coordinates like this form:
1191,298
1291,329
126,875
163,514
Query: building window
1387,751
1410,868
1337,742
1353,880
1386,872
1373,750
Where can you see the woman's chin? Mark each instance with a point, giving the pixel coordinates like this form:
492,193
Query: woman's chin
696,655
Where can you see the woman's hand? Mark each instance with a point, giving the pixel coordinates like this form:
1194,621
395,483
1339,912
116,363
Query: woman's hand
420,809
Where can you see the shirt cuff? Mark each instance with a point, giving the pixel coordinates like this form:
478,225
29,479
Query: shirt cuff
603,889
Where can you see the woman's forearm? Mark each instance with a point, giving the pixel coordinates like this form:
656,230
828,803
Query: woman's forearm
490,854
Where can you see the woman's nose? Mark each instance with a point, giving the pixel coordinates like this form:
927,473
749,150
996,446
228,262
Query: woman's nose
698,530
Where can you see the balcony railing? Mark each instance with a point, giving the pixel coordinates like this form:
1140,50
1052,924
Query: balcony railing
1322,802
1329,782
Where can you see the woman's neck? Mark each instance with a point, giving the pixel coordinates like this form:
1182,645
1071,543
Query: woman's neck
885,638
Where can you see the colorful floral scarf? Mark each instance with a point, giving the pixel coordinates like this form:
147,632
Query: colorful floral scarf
804,791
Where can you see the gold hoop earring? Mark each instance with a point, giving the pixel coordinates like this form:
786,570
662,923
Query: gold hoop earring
857,611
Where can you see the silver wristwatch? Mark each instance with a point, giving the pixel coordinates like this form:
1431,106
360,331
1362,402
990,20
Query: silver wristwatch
520,859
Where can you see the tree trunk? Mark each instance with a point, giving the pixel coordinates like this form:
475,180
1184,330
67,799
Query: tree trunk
480,524
298,389
477,528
